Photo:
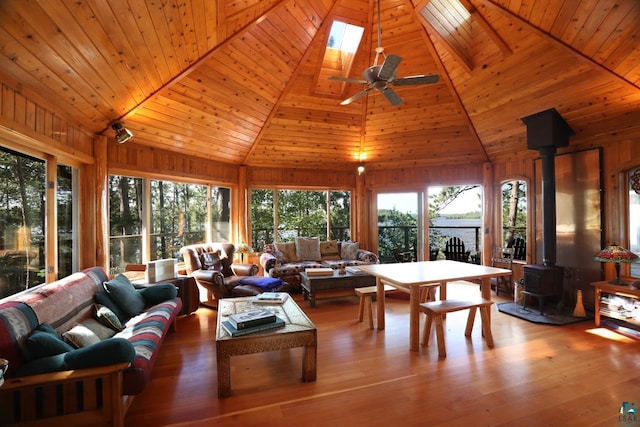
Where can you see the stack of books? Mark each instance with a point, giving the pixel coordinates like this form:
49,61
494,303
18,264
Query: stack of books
354,270
319,271
250,322
271,298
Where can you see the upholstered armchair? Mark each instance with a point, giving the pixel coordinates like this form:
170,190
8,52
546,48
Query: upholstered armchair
211,265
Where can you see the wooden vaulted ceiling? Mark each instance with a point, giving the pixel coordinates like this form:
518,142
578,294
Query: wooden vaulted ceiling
237,81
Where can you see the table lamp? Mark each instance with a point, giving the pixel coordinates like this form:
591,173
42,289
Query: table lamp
242,249
617,254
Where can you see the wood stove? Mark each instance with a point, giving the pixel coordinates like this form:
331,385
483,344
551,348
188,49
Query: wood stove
546,131
542,281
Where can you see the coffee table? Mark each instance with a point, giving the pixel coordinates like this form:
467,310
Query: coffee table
299,331
333,282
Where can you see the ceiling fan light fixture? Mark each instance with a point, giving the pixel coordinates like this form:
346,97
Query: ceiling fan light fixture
122,134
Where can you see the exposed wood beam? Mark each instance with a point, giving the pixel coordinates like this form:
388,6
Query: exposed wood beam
557,42
504,48
459,56
447,80
197,63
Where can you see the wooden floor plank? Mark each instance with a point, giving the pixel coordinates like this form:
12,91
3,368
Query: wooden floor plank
535,375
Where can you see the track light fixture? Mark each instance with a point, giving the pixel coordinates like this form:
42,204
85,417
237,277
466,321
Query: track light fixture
122,134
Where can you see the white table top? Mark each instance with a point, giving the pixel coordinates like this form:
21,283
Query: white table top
425,272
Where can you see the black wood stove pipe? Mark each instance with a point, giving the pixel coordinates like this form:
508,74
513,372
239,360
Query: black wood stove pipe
546,131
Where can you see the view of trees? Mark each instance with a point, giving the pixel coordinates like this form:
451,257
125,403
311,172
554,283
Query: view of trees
22,188
514,210
178,217
299,213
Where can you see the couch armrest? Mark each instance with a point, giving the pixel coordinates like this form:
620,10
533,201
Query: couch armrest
367,256
267,261
212,281
106,409
245,269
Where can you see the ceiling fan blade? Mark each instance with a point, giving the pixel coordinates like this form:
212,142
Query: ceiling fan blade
347,79
416,80
391,96
389,67
356,96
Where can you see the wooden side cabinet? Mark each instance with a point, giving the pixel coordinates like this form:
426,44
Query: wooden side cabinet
617,307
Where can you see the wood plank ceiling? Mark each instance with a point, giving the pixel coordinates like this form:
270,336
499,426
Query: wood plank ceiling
234,81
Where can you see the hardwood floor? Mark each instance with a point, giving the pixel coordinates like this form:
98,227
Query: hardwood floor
536,375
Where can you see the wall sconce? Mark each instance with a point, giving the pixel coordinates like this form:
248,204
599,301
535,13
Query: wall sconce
360,169
122,134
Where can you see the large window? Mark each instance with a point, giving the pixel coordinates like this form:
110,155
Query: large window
22,216
286,214
125,222
514,216
179,214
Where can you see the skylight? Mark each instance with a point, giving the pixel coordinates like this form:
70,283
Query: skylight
344,37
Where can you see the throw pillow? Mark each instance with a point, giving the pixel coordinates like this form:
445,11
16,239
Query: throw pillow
349,250
211,261
280,259
107,317
80,336
107,352
44,344
226,267
156,294
308,248
266,283
288,251
125,296
102,332
103,298
329,250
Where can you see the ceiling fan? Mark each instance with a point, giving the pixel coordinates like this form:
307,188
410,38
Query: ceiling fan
381,77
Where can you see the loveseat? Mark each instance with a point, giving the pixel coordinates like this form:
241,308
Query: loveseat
79,348
212,267
287,260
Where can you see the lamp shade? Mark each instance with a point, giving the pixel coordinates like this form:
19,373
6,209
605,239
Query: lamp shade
615,253
243,247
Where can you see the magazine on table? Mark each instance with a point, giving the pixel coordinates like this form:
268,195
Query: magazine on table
271,298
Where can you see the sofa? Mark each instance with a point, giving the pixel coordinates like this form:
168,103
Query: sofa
86,344
212,267
287,260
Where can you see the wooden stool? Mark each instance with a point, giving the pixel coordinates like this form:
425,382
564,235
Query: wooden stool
437,309
366,300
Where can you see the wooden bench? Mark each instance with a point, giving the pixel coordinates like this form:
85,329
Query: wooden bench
438,309
366,301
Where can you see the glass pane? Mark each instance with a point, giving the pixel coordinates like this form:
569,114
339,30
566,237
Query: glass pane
178,217
456,212
301,213
397,227
221,210
340,215
22,188
634,218
67,219
261,218
514,216
125,219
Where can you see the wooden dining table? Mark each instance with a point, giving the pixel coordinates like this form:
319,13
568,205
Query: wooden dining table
411,276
